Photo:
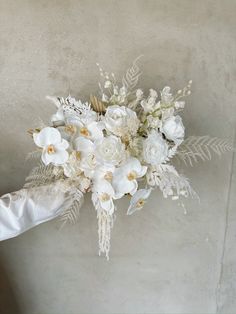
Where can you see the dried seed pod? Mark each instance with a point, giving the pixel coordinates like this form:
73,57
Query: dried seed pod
32,131
97,105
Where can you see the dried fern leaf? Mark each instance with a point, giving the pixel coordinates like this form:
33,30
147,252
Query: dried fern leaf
32,131
97,105
131,77
42,175
196,148
34,155
71,215
170,182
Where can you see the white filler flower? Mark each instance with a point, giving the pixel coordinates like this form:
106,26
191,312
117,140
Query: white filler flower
125,177
54,147
121,120
155,149
173,129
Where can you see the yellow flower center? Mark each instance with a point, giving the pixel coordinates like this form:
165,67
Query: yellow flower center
132,176
51,149
71,129
84,131
108,176
140,203
104,197
78,155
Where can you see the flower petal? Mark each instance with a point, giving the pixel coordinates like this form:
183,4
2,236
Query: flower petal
95,130
58,158
140,195
47,136
63,145
84,145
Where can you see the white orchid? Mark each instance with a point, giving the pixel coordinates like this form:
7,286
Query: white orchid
110,150
72,166
155,149
102,196
85,152
91,130
125,177
138,200
121,120
103,172
173,129
54,147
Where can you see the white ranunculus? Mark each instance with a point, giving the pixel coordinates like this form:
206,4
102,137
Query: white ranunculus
54,147
125,177
173,129
109,150
155,149
121,120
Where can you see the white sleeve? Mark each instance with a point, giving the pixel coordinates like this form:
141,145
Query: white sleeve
26,208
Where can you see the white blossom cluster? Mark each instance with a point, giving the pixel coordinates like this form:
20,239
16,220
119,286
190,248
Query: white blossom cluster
120,143
113,153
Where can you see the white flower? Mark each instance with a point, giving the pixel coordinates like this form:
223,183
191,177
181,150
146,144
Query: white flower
107,84
54,147
110,150
173,129
91,130
153,122
179,104
58,116
72,166
155,149
85,152
124,178
139,94
166,95
150,104
83,111
103,172
102,195
138,200
121,120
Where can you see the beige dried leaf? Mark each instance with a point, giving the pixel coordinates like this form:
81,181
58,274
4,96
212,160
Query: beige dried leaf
97,105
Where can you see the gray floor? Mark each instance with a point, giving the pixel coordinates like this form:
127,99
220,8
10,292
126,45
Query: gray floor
163,259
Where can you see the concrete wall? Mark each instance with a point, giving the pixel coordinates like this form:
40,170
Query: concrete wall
162,260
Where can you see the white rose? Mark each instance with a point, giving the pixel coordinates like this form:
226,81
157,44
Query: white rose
110,150
155,149
173,129
121,120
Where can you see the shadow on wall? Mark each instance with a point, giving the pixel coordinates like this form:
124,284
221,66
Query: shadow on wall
8,303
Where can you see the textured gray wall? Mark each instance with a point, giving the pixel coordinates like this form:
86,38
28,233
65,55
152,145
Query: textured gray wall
162,260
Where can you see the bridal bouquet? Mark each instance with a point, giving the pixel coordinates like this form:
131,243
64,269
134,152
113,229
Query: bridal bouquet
120,143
